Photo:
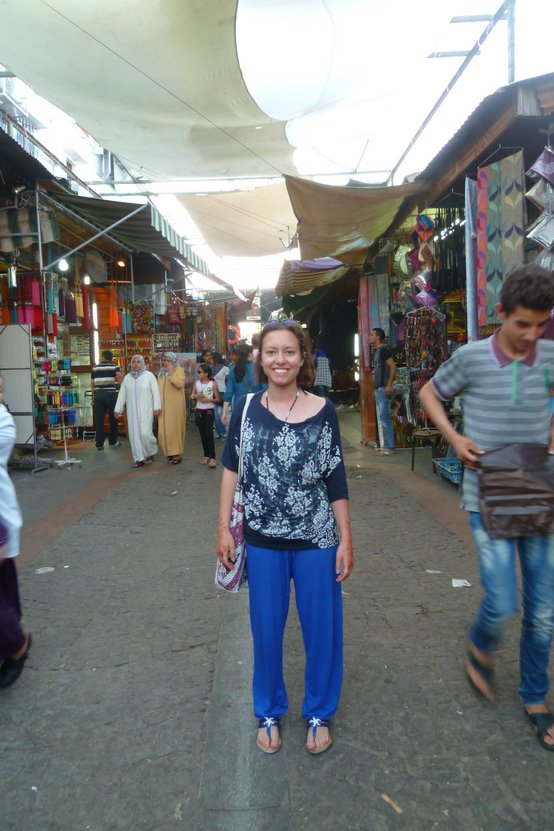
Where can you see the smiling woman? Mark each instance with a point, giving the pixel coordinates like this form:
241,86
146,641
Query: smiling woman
297,528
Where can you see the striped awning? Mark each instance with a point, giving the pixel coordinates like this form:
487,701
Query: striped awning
146,231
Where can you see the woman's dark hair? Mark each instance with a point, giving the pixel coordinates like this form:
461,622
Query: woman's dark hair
243,352
305,374
530,286
205,368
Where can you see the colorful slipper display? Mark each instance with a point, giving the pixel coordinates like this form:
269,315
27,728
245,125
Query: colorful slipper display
313,724
268,723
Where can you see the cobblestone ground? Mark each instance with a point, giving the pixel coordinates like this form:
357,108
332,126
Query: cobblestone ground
134,709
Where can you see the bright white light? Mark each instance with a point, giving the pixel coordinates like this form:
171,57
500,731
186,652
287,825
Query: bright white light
86,280
95,315
63,265
95,346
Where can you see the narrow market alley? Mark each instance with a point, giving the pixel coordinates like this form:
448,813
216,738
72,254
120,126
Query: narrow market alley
134,708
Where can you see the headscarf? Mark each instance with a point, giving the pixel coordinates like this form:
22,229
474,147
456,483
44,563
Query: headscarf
173,358
136,372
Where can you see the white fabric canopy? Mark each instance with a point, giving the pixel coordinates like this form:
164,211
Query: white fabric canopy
159,84
249,223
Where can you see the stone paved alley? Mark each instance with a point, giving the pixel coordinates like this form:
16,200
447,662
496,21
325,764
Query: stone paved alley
134,709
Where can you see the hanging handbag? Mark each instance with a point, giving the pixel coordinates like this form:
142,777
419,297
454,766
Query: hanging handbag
233,579
516,483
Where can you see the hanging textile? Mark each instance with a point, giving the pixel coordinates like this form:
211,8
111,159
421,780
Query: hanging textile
363,317
470,230
79,304
61,301
70,310
86,308
500,222
114,317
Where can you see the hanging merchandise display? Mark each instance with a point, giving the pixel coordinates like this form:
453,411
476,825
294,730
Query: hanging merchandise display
500,235
425,344
542,195
142,316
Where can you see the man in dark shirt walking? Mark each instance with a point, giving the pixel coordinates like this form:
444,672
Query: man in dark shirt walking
384,373
106,377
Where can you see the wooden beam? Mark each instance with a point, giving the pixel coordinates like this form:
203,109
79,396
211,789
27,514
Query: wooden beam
473,153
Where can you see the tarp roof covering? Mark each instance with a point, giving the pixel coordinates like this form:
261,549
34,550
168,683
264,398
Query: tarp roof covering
343,222
146,231
159,84
249,223
303,276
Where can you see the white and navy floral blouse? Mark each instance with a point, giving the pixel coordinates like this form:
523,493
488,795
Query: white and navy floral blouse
292,474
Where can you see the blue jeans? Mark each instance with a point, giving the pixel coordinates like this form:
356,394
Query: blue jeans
499,581
383,414
319,605
220,430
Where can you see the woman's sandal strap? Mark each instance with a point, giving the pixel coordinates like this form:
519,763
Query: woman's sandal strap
268,722
315,722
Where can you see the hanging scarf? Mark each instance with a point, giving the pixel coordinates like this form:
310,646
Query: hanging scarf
173,358
137,372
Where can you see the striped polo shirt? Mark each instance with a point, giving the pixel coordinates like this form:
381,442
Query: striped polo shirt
505,401
103,375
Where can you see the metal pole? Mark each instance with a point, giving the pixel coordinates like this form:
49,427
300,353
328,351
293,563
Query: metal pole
132,278
511,41
499,15
101,234
42,273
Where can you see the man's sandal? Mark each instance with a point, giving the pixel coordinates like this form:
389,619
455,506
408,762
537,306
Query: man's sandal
268,723
486,674
314,723
542,722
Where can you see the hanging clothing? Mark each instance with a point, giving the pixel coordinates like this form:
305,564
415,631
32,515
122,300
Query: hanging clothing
140,396
171,423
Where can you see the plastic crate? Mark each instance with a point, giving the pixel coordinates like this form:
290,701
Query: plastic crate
451,469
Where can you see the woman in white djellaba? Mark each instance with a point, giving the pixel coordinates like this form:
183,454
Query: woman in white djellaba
140,396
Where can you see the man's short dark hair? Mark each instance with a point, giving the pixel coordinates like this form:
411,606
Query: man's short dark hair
380,333
107,355
530,286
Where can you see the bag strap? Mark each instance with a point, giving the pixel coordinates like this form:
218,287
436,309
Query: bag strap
249,398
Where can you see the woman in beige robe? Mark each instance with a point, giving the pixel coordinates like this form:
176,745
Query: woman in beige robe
171,423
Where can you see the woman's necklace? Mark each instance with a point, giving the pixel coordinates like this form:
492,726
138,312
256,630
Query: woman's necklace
290,408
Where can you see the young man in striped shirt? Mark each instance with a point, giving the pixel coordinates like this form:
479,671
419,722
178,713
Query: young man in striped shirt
106,378
505,381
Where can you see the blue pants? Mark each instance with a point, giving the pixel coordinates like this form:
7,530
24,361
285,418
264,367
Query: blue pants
500,603
319,604
383,414
220,429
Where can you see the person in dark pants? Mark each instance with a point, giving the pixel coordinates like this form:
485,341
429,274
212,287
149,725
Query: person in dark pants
15,640
206,394
106,377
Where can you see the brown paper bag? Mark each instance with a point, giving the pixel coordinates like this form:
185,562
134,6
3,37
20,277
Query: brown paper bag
517,491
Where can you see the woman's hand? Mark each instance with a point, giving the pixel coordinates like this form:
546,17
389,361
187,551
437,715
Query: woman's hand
225,547
345,560
157,413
